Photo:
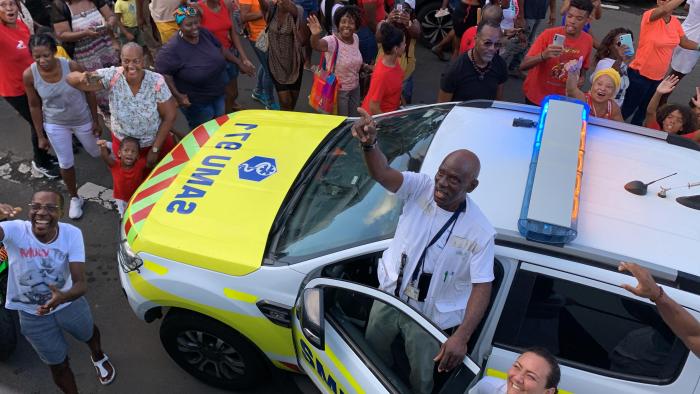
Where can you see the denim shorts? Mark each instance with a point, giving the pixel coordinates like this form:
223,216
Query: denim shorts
45,333
232,68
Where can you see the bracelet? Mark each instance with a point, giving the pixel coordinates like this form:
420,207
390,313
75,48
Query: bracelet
369,147
658,297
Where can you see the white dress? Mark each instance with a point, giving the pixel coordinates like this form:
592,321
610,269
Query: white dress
683,59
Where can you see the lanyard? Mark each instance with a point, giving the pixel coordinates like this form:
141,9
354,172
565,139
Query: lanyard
451,221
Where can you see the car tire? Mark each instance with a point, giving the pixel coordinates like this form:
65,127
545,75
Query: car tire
211,351
433,29
8,327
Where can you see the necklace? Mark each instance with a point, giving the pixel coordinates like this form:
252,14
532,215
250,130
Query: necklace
479,70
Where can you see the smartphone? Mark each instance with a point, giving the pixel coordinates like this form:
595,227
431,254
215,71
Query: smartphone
398,5
626,39
558,40
93,79
101,28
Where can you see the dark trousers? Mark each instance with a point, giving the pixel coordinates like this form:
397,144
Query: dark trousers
21,105
637,97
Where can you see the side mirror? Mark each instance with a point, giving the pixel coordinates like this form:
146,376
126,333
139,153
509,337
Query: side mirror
312,321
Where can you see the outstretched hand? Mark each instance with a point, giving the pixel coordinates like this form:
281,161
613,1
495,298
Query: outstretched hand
646,286
364,129
8,211
574,66
57,298
313,24
451,353
696,99
667,85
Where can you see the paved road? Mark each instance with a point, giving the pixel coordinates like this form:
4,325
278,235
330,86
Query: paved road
143,366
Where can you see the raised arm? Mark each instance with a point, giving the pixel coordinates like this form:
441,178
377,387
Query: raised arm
682,323
104,153
665,9
573,68
315,28
365,131
665,87
7,212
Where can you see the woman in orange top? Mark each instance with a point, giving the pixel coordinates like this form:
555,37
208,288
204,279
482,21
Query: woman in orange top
660,33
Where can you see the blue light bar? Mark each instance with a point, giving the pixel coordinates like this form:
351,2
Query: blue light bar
549,213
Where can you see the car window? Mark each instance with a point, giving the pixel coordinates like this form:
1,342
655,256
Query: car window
396,348
342,206
590,329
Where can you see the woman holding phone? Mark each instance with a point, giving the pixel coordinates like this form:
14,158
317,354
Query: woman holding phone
85,25
613,53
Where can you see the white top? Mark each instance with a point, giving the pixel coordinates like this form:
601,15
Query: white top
34,265
466,257
490,385
683,59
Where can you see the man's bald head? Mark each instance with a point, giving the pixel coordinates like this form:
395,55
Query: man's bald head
456,177
492,13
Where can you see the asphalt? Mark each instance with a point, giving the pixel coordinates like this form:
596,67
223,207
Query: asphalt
134,346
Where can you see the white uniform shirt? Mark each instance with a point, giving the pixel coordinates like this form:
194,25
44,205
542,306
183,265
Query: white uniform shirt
466,258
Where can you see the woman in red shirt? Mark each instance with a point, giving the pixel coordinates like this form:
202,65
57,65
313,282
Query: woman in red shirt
387,78
216,17
14,46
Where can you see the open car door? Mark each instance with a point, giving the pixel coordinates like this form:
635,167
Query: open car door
344,342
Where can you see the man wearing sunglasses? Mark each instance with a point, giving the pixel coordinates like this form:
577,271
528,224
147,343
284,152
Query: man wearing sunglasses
480,72
46,284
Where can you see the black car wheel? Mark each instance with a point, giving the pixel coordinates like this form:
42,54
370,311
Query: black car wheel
211,351
8,328
433,29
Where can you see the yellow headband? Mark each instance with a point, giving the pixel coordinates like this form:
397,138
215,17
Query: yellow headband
610,72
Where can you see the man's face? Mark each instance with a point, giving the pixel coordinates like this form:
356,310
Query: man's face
453,181
488,42
575,20
44,213
528,375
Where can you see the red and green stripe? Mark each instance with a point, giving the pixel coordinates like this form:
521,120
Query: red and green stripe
150,191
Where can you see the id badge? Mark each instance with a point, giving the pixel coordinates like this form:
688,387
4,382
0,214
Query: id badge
411,292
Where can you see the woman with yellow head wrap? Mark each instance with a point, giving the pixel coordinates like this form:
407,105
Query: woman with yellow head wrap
601,97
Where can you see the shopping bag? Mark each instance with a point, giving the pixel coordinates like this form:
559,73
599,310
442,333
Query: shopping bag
324,91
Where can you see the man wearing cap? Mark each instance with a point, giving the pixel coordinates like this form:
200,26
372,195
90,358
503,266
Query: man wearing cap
601,97
440,261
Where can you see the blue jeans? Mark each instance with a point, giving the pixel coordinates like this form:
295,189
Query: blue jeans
199,113
264,85
368,44
637,97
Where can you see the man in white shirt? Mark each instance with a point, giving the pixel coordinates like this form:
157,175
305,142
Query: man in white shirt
440,260
46,284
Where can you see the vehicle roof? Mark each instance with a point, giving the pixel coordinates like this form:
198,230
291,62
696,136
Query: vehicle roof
612,221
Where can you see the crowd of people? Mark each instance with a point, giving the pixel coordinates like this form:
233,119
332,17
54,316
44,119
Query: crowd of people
83,66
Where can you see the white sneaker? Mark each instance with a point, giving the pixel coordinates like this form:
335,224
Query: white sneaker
75,211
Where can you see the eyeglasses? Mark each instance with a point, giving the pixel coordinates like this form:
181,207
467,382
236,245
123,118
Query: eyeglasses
50,208
489,44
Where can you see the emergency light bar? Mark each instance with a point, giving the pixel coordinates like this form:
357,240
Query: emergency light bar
549,212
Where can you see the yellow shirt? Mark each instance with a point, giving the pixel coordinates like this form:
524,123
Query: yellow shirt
127,11
60,52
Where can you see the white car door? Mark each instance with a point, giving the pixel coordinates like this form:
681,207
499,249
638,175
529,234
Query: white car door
336,342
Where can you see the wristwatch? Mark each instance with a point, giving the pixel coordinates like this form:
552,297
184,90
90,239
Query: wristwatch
369,147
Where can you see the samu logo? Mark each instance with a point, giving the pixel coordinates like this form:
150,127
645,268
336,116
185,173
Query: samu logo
257,168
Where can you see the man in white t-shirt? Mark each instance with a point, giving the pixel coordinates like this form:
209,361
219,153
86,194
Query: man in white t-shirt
440,260
46,284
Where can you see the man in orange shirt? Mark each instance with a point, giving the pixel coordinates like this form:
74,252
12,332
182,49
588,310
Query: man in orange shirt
545,60
254,18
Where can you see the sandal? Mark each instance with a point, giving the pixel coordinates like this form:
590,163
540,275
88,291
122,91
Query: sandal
102,373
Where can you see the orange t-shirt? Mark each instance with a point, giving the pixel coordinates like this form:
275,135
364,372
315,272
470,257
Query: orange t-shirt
257,26
549,76
657,40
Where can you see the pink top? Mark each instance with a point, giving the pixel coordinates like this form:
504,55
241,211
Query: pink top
347,67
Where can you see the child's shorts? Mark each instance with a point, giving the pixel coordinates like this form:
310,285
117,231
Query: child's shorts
136,32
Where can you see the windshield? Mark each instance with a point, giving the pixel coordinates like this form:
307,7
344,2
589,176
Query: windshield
342,206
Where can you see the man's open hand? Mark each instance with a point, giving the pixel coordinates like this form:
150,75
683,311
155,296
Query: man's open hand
451,353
